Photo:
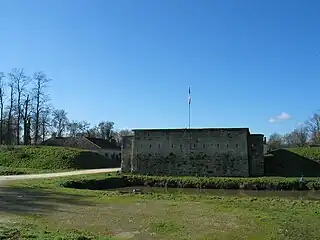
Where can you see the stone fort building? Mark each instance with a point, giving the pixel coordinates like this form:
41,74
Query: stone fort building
211,152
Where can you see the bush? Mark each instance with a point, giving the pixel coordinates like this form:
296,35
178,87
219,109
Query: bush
52,158
218,183
193,182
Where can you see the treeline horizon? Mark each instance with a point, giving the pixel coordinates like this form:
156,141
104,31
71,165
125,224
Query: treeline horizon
306,134
27,115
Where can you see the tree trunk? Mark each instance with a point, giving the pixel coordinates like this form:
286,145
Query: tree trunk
25,125
36,135
1,116
43,130
9,132
19,117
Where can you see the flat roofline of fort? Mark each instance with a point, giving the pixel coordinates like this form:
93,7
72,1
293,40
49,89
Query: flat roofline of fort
191,129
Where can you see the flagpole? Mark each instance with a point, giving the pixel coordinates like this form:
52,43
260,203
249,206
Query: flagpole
189,103
189,117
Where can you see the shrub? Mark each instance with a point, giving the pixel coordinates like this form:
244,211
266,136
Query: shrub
194,182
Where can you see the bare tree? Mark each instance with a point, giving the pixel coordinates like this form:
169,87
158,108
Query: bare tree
92,132
77,128
298,137
288,139
10,110
60,121
45,122
105,129
20,81
314,128
118,135
73,128
2,91
26,123
40,98
301,135
275,141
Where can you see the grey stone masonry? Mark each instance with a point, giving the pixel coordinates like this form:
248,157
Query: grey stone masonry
193,152
257,155
126,153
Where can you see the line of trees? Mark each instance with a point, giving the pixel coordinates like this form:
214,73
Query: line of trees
305,134
28,117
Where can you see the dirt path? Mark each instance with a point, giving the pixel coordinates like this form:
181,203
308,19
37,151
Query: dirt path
60,174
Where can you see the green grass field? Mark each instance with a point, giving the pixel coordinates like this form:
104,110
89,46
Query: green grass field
43,209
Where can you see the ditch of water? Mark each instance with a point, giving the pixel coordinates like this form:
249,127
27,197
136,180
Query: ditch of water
303,195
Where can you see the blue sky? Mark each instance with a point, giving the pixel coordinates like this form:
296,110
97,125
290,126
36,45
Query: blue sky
132,61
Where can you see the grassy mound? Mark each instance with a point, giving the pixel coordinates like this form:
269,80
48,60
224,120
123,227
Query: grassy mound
306,152
293,162
52,158
193,182
5,171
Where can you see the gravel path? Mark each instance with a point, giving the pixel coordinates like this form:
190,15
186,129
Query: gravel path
60,174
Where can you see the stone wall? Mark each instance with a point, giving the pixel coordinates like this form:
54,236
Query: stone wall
257,156
202,152
111,154
126,153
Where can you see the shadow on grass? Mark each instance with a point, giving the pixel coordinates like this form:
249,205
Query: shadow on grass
36,201
93,160
288,164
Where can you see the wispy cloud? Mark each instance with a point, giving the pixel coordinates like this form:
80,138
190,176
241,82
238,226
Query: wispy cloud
272,120
282,117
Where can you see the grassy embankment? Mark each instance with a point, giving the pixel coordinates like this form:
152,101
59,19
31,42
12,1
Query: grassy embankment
293,162
31,159
46,210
